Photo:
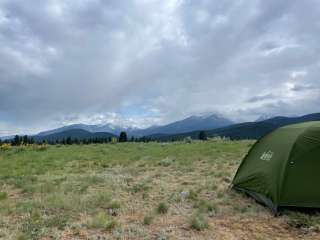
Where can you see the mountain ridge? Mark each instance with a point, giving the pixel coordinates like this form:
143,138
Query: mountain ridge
188,124
178,130
246,130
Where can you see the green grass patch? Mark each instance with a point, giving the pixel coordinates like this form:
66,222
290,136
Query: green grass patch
162,208
3,196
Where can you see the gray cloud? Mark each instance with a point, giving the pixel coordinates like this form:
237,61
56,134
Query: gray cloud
143,62
299,88
259,98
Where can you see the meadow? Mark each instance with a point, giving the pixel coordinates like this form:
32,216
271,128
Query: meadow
136,191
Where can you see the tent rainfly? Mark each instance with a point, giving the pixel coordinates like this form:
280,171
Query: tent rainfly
282,169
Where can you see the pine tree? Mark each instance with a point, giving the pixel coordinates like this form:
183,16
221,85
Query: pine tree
123,137
25,139
16,140
69,141
203,136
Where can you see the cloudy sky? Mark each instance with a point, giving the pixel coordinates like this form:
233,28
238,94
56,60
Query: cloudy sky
144,62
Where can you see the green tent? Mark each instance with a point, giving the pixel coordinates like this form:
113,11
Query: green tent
282,169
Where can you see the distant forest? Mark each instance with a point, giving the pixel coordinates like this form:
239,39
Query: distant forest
123,137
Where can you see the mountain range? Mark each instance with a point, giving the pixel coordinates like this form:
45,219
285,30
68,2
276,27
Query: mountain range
247,130
213,125
110,128
193,123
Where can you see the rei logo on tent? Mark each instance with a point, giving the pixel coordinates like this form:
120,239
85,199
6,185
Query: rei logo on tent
266,156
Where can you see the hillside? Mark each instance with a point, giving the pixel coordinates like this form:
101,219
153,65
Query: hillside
135,191
89,128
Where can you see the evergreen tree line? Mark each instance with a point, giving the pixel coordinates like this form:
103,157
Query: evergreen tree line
19,140
24,140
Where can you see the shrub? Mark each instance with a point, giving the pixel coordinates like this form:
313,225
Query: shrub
199,222
203,136
5,147
188,139
162,208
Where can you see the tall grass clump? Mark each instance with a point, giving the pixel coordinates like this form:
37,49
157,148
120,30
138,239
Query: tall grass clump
102,221
199,221
162,208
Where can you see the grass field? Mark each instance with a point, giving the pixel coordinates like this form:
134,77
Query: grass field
136,191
